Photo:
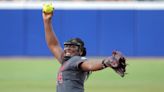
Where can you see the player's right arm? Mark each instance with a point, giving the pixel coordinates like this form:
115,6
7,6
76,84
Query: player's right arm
50,36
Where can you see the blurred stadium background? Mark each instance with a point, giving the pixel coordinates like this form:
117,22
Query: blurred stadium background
134,27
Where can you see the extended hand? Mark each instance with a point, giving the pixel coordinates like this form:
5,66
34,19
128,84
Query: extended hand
117,62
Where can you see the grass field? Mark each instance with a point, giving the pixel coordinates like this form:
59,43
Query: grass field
39,75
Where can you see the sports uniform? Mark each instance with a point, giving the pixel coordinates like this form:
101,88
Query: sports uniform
70,77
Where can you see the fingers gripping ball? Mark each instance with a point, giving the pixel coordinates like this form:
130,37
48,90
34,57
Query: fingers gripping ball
48,8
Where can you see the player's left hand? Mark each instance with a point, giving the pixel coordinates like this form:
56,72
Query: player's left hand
117,62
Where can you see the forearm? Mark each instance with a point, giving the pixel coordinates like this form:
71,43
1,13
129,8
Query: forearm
50,36
96,66
92,66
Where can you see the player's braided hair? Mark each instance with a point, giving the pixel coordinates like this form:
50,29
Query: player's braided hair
78,42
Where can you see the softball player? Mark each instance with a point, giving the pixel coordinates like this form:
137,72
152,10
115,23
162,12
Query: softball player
74,66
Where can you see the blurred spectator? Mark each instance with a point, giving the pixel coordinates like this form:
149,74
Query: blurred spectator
8,0
81,0
109,0
114,0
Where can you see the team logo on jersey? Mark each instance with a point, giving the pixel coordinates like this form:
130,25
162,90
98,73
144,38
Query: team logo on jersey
60,77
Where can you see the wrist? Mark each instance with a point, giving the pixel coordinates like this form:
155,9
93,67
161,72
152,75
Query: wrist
103,64
47,20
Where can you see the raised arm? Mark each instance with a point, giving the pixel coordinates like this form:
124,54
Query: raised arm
50,36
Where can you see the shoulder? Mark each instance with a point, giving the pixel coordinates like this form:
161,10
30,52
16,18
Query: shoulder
78,58
83,58
76,61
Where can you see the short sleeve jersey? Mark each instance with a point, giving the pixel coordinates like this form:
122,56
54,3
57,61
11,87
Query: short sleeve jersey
70,78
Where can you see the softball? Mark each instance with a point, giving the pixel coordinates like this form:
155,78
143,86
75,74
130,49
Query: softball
48,8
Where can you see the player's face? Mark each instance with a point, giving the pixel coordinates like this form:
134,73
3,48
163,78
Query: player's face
71,50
